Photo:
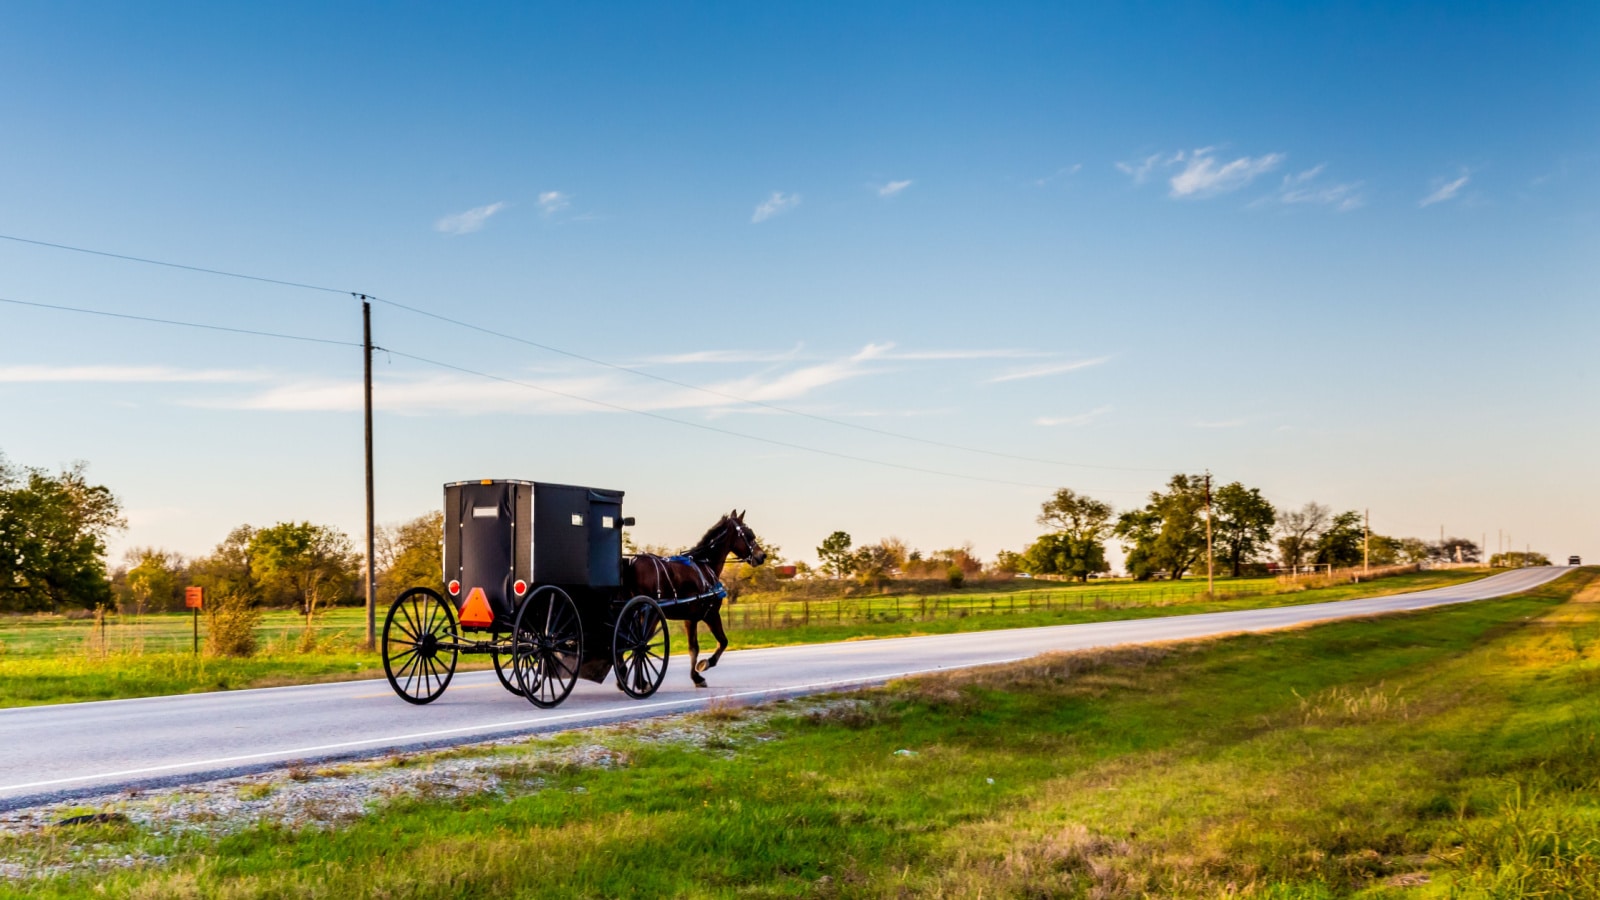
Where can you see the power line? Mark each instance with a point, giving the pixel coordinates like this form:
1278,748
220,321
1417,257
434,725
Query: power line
156,321
932,442
172,265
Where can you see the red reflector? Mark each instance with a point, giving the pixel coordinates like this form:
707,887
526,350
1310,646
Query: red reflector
455,588
521,587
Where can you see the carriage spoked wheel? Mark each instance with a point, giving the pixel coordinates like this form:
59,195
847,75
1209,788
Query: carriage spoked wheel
640,647
502,670
546,647
419,645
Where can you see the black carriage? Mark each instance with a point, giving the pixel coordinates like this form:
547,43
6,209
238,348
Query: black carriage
534,578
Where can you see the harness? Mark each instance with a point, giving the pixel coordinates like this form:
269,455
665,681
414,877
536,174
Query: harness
707,585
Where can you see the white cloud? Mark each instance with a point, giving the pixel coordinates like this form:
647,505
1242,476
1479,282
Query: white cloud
1141,169
1204,176
129,374
469,221
779,202
1061,173
542,393
1305,188
1446,190
1223,423
1080,419
552,202
1048,369
893,187
725,356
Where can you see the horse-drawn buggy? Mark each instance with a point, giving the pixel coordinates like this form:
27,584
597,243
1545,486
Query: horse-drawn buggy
536,579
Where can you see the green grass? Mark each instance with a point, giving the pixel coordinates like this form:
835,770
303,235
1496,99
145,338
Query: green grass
1452,752
53,659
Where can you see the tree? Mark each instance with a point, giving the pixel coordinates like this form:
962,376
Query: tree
1339,544
311,564
52,538
1457,549
1076,545
1008,562
227,569
155,579
1298,530
837,560
1169,533
1078,515
1063,554
875,564
1241,523
410,554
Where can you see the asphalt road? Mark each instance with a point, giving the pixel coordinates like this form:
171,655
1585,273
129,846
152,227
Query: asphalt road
49,753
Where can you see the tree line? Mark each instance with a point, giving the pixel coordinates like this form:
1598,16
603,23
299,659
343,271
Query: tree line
54,527
1166,537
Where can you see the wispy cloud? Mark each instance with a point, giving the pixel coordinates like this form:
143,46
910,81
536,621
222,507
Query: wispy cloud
126,374
933,355
1204,175
893,187
725,356
1202,172
552,202
469,221
1062,172
1306,188
1140,169
779,202
1222,423
1445,190
546,393
1080,419
1047,369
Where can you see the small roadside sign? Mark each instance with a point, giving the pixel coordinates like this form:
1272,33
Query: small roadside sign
194,597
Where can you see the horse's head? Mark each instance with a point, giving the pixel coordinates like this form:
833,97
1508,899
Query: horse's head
742,541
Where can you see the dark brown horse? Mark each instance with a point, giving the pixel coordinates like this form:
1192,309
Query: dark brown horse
689,586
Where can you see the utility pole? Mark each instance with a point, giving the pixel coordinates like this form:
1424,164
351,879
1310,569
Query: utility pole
1211,583
372,575
1366,542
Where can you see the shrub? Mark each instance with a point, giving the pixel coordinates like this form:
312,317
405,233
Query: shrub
955,575
231,622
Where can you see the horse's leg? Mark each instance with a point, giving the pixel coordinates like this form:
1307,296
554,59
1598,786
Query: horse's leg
714,622
691,628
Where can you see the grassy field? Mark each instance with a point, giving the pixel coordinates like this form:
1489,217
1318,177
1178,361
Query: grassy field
1446,753
52,659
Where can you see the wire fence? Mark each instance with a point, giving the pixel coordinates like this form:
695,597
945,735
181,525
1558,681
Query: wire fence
768,614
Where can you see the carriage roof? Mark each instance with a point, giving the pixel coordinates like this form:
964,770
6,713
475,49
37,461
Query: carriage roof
539,532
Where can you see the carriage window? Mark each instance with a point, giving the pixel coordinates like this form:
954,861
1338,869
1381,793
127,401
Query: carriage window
486,512
577,519
607,522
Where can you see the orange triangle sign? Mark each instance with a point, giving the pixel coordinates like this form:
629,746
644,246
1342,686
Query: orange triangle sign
475,613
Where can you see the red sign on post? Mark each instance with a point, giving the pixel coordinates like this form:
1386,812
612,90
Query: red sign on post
194,597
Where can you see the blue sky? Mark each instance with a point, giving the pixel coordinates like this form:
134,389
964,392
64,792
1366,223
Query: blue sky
1346,254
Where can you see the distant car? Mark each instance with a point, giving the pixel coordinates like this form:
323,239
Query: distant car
1574,560
1026,575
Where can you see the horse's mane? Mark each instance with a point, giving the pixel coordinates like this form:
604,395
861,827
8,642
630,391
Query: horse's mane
704,544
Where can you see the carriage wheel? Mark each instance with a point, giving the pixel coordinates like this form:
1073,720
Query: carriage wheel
547,646
418,667
503,666
640,647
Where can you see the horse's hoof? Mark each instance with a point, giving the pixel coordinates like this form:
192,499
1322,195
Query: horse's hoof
702,665
701,684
